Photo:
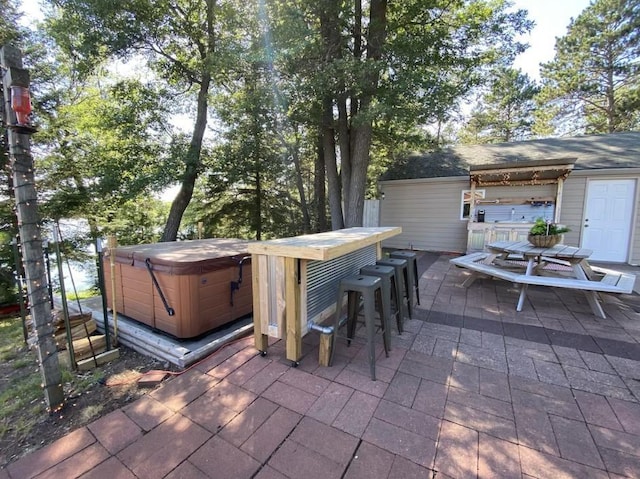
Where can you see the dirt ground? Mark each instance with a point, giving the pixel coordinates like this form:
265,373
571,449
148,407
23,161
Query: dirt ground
108,388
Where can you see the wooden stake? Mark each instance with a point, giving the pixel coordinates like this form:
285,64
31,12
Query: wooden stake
111,244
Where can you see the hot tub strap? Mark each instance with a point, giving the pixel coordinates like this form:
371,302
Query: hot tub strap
235,285
169,309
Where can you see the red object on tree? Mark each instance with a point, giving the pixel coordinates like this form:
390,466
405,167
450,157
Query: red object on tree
21,104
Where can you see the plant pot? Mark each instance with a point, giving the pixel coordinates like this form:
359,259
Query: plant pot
544,241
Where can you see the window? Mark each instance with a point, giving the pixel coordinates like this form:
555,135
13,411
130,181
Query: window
465,206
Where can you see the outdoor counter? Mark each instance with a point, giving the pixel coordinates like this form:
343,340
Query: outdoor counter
295,281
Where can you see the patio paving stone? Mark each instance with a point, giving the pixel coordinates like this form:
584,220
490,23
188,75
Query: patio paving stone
597,410
112,468
115,431
497,458
238,430
415,447
147,412
471,389
370,462
356,414
575,441
270,434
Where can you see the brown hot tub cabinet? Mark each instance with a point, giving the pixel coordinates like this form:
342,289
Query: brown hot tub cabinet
184,288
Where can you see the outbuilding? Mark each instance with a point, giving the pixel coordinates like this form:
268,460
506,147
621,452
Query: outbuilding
458,199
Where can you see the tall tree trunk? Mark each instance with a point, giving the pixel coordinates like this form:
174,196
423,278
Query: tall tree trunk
362,131
192,165
192,160
331,166
319,187
258,212
329,21
306,217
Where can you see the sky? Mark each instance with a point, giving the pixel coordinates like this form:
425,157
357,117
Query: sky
552,18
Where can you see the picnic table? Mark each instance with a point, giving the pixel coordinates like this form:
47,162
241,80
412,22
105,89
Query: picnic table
504,260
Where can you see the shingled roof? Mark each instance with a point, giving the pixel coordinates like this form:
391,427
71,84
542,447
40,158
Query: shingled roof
615,150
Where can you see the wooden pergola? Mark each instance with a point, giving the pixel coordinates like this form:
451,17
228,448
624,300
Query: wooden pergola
529,173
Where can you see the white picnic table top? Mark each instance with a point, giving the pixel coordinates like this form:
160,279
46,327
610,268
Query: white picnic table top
527,250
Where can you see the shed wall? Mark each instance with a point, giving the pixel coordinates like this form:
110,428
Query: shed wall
428,209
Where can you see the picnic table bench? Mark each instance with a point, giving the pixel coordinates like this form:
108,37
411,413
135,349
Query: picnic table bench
601,280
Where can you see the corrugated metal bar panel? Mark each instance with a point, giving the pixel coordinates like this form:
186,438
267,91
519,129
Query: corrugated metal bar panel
323,277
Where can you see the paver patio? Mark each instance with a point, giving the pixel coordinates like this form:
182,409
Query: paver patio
470,389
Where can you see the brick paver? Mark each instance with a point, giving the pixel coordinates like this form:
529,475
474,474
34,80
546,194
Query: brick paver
472,388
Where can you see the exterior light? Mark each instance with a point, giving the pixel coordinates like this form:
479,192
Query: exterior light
21,104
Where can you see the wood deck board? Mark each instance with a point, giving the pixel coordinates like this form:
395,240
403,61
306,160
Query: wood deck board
324,246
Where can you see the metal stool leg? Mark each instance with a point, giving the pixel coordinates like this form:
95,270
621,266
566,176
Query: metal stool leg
370,288
412,260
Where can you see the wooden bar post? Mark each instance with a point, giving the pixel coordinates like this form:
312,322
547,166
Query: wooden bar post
22,167
292,305
258,278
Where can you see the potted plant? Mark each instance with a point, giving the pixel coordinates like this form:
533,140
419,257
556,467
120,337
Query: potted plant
545,234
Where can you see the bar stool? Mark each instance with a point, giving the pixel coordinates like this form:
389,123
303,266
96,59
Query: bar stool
370,289
389,292
412,268
402,286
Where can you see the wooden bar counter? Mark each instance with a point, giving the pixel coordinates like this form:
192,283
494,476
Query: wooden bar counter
295,281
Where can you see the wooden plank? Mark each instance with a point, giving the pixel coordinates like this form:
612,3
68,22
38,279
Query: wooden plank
277,294
292,299
324,246
571,283
261,340
102,358
324,354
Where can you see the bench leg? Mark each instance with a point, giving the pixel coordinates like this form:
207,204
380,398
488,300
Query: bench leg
592,298
470,280
523,295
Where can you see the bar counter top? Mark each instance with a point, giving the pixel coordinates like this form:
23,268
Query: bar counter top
324,246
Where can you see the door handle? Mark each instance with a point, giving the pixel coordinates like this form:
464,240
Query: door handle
586,226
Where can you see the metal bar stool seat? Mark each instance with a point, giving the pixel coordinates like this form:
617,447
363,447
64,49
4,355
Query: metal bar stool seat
412,268
402,287
389,293
369,288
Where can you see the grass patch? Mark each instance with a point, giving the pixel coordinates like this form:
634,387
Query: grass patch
22,404
88,293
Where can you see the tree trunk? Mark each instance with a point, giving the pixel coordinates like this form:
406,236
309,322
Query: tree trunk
192,165
319,180
331,167
258,212
306,218
358,181
361,133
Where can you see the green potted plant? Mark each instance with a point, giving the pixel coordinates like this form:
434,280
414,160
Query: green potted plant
545,234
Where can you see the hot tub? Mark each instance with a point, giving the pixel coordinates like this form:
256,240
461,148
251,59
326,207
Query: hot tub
183,288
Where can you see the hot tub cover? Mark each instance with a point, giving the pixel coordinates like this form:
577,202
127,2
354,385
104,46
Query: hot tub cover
185,257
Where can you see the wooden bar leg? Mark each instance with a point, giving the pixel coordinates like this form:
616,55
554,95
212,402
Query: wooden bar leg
324,354
292,316
261,340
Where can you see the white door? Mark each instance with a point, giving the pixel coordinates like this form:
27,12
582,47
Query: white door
608,217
